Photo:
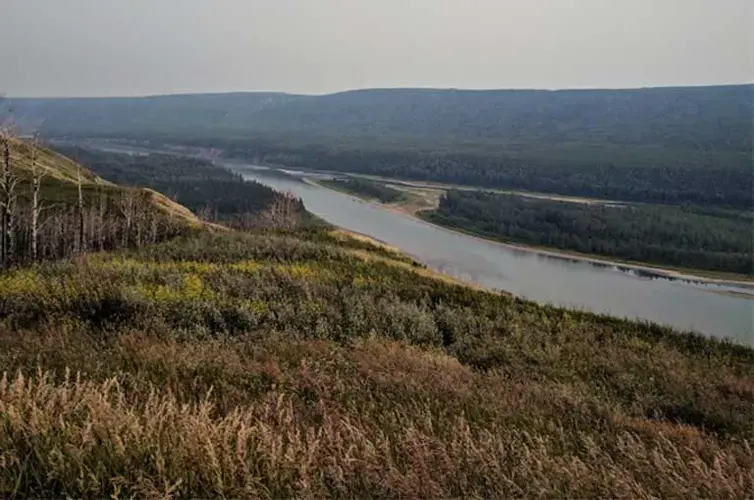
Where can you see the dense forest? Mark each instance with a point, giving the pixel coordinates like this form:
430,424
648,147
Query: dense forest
214,192
661,145
696,118
675,236
676,177
365,189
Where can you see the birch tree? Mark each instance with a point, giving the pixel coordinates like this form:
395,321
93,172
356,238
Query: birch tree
8,184
37,174
80,209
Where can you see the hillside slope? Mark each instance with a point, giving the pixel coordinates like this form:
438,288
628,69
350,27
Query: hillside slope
74,210
683,145
55,165
198,184
309,363
61,174
304,364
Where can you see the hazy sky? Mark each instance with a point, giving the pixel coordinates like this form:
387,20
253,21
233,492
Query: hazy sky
134,47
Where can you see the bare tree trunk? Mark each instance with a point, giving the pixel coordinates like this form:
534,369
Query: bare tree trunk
283,212
36,180
127,206
155,228
8,186
3,201
80,210
101,221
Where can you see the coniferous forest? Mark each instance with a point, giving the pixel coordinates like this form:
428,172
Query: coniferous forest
689,237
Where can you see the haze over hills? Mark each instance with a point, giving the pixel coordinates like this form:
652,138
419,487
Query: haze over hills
688,117
392,292
663,145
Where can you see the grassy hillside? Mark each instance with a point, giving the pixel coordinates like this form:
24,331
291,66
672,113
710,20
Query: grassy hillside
311,364
108,216
55,165
60,180
308,362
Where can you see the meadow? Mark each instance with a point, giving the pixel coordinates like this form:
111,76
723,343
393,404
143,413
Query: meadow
306,363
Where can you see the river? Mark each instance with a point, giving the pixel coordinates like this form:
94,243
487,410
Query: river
717,310
712,309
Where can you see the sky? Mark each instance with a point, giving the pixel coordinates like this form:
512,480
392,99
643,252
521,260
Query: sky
143,47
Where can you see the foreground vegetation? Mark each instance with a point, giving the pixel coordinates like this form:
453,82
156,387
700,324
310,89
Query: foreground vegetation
292,360
308,364
687,237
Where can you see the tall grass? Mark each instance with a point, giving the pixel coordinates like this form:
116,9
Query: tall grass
377,419
294,365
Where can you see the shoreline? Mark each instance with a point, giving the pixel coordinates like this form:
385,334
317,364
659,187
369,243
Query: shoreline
648,269
687,275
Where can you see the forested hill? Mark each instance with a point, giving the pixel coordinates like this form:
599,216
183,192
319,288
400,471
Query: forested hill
705,118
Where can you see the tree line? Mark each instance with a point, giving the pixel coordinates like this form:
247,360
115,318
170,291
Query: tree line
676,236
667,176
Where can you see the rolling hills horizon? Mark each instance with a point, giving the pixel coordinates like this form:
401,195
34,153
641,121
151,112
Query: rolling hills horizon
180,93
708,118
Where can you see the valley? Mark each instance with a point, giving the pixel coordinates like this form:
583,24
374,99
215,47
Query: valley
284,332
343,250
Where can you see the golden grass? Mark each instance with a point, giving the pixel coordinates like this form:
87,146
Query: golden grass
173,208
54,164
421,271
379,419
261,366
344,234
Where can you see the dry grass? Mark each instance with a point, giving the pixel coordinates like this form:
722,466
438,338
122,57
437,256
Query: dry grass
173,208
312,419
269,365
54,165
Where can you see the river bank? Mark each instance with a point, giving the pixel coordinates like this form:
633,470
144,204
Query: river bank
692,305
643,269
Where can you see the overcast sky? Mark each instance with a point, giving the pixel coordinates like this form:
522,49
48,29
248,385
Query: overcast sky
136,47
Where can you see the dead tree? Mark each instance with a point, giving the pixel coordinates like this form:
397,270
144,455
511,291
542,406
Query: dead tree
101,220
37,174
205,214
3,201
283,212
127,206
8,184
80,209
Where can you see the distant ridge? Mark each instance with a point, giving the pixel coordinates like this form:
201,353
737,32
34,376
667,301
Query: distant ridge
706,117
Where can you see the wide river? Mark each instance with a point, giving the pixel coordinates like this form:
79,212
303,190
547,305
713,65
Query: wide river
716,310
721,311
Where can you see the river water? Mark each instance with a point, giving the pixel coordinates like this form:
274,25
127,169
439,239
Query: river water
721,311
716,310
